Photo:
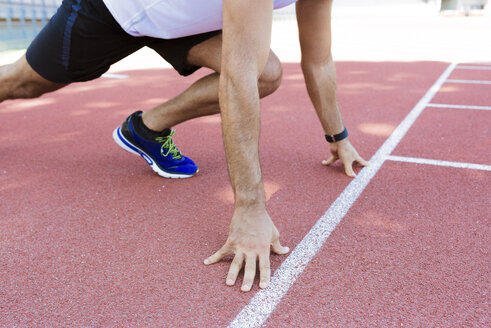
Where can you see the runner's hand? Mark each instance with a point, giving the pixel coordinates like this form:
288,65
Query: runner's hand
347,153
252,236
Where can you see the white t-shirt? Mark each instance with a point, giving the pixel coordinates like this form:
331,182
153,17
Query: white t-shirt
169,19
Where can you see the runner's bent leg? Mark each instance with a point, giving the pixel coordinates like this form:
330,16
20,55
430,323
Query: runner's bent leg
19,80
201,98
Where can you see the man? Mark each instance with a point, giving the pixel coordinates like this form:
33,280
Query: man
86,36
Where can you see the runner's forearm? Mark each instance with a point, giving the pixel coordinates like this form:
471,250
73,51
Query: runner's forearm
314,26
239,101
245,50
320,79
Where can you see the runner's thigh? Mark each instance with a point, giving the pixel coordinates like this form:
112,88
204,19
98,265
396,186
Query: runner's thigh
80,42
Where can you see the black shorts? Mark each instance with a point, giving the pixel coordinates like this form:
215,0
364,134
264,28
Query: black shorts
82,40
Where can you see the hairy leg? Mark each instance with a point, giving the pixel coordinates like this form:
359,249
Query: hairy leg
201,98
19,80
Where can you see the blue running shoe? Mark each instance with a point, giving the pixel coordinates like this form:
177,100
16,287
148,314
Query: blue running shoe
161,154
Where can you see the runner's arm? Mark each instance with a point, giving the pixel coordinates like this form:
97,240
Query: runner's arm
245,50
314,25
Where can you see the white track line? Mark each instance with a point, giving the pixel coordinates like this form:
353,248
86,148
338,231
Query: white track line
264,302
468,81
459,106
439,163
115,76
474,67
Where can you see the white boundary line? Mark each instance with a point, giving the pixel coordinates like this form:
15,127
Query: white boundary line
482,64
468,81
264,302
485,68
115,76
439,163
459,106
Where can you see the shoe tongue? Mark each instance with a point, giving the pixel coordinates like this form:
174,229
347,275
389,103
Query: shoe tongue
164,132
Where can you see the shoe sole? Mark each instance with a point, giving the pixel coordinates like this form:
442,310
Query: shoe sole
122,142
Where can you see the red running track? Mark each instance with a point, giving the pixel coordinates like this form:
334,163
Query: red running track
90,236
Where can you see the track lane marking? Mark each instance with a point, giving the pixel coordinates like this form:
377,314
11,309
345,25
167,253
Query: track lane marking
468,81
264,301
436,162
483,68
115,76
459,106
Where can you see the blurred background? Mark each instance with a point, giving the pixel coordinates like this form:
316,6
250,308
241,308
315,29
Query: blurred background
368,30
21,20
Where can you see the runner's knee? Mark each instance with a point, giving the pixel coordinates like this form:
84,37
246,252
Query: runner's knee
270,78
15,87
28,89
18,80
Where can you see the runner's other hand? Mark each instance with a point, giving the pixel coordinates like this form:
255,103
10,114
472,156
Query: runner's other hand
344,151
252,237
